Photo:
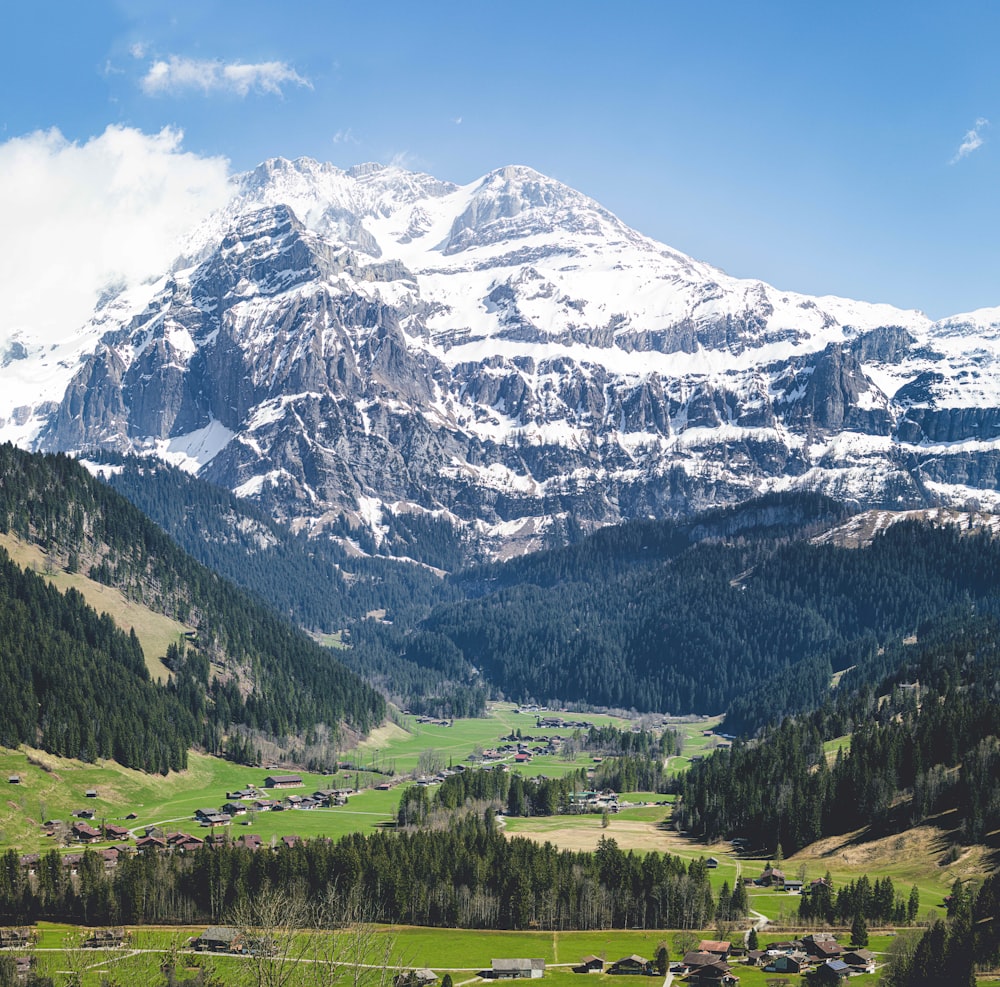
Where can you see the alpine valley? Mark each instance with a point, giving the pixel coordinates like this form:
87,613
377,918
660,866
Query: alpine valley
350,347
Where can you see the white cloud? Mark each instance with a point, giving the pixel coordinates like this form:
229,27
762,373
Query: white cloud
177,75
345,137
78,217
138,49
457,121
973,140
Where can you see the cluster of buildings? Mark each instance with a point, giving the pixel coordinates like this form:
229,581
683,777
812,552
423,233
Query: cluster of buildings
818,952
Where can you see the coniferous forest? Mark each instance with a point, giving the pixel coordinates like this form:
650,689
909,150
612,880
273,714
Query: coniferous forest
92,693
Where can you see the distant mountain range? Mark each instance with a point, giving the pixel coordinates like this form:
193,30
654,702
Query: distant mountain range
507,356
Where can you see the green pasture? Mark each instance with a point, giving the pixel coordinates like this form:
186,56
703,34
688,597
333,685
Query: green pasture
461,952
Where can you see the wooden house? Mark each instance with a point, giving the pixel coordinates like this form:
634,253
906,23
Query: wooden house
221,939
633,965
516,969
283,781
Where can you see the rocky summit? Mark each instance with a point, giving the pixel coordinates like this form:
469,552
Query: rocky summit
509,355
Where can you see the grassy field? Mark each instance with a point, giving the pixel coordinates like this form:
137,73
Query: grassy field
462,953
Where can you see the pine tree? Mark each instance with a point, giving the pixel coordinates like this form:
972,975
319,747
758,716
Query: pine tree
859,932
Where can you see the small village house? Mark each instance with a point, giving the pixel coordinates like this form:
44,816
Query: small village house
516,969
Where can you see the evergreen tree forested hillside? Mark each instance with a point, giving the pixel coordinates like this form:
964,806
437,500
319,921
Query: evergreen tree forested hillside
269,676
638,616
923,740
735,610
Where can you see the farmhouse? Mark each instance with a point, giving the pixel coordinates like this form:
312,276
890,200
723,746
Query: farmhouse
414,978
221,939
105,939
514,969
590,964
860,960
13,938
85,834
635,965
283,781
720,948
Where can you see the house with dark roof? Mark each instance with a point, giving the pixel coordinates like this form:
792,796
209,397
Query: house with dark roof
516,969
634,965
283,781
590,964
221,939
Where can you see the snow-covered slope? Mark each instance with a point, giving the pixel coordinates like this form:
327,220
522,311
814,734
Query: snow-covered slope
508,354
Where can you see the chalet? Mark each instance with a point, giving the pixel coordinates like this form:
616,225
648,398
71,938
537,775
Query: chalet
307,803
246,793
283,781
83,833
132,815
823,946
105,939
860,960
715,973
522,758
786,963
414,978
71,861
717,947
83,814
234,809
17,938
204,813
30,862
590,964
711,863
23,965
385,786
188,844
793,886
262,805
291,840
151,844
217,819
633,965
14,780
221,939
515,969
251,841
697,958
110,857
833,972
116,833
770,877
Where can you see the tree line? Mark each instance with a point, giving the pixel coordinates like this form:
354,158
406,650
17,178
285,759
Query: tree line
469,875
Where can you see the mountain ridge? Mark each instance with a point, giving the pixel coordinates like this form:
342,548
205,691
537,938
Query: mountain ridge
509,355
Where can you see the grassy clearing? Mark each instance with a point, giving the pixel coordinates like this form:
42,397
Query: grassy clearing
155,632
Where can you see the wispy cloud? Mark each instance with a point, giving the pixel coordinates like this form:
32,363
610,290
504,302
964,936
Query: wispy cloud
973,140
345,137
176,75
457,121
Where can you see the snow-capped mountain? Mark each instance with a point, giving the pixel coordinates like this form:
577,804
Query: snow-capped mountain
507,354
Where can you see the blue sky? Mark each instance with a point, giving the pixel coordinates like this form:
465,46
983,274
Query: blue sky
845,148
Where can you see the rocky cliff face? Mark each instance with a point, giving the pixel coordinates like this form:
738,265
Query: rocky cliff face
508,354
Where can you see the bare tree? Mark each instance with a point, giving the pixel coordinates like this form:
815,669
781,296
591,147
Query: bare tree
357,951
276,926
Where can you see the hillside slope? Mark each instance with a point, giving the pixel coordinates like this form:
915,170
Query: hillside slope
243,666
